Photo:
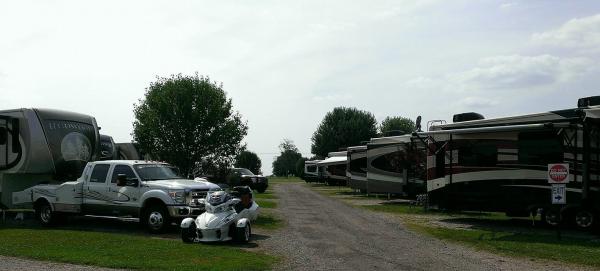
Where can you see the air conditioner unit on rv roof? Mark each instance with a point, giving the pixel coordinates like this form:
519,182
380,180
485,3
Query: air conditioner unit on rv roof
467,117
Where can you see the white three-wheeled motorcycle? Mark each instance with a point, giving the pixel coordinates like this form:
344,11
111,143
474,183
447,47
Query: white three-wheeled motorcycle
227,217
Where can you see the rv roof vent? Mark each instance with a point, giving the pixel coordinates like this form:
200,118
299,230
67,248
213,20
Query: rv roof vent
467,116
588,101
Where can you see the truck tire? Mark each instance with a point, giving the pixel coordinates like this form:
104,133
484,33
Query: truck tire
585,219
44,213
551,217
242,235
156,218
189,234
261,189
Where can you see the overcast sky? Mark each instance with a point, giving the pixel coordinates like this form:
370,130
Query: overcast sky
286,63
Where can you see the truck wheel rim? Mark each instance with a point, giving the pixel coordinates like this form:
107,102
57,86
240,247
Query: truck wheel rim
552,218
247,233
584,219
155,220
45,214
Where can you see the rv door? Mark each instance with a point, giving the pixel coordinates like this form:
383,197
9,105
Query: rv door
10,148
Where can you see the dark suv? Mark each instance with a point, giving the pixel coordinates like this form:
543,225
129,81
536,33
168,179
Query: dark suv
242,176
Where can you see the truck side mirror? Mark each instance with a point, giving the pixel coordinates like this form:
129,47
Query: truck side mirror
121,180
133,182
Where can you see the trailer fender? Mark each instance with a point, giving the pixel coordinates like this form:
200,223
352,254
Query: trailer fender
242,223
187,222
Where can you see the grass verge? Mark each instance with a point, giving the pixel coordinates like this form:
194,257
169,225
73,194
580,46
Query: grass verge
275,180
268,221
540,245
127,251
268,204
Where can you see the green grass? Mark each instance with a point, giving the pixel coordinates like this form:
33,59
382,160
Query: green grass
408,209
268,221
276,180
543,245
268,204
396,208
266,195
127,251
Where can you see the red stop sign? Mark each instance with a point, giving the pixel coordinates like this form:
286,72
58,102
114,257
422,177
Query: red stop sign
558,173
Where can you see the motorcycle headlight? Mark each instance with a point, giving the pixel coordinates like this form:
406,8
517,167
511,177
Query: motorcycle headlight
177,195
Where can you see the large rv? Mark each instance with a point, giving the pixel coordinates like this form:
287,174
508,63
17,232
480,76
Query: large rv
334,168
502,164
356,168
43,146
396,165
311,171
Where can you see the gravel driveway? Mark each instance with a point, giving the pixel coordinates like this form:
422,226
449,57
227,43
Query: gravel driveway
325,234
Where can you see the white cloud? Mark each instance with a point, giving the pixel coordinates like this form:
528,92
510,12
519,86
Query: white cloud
332,97
583,33
508,5
516,71
421,82
477,102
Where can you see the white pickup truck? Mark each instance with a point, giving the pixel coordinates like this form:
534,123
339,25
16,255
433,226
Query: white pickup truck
151,192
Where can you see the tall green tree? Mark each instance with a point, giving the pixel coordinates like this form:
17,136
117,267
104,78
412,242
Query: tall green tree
285,163
249,160
188,121
392,126
341,128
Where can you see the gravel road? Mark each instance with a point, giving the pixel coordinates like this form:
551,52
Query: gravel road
325,234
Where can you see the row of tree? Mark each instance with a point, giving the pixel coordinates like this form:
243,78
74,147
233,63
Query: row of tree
189,122
340,128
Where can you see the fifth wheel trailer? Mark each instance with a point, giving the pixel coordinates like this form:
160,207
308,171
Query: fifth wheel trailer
396,165
334,168
43,146
311,171
357,168
502,164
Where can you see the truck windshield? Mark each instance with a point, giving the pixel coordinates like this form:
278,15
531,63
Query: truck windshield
243,171
153,172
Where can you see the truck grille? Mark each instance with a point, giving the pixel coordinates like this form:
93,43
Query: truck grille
197,194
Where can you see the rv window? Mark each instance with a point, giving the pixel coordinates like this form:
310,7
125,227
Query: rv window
540,148
99,173
358,165
478,153
311,169
391,162
338,170
122,169
3,135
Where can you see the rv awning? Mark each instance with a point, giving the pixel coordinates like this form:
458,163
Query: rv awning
336,160
494,129
391,139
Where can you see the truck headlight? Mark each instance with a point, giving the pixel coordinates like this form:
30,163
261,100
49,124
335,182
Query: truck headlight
178,196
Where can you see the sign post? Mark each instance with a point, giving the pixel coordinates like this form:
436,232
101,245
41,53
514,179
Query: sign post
558,177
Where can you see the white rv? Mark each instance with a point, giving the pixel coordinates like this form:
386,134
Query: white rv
334,168
356,168
502,164
311,171
396,165
43,146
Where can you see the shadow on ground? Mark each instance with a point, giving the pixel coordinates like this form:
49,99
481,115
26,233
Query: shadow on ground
107,225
